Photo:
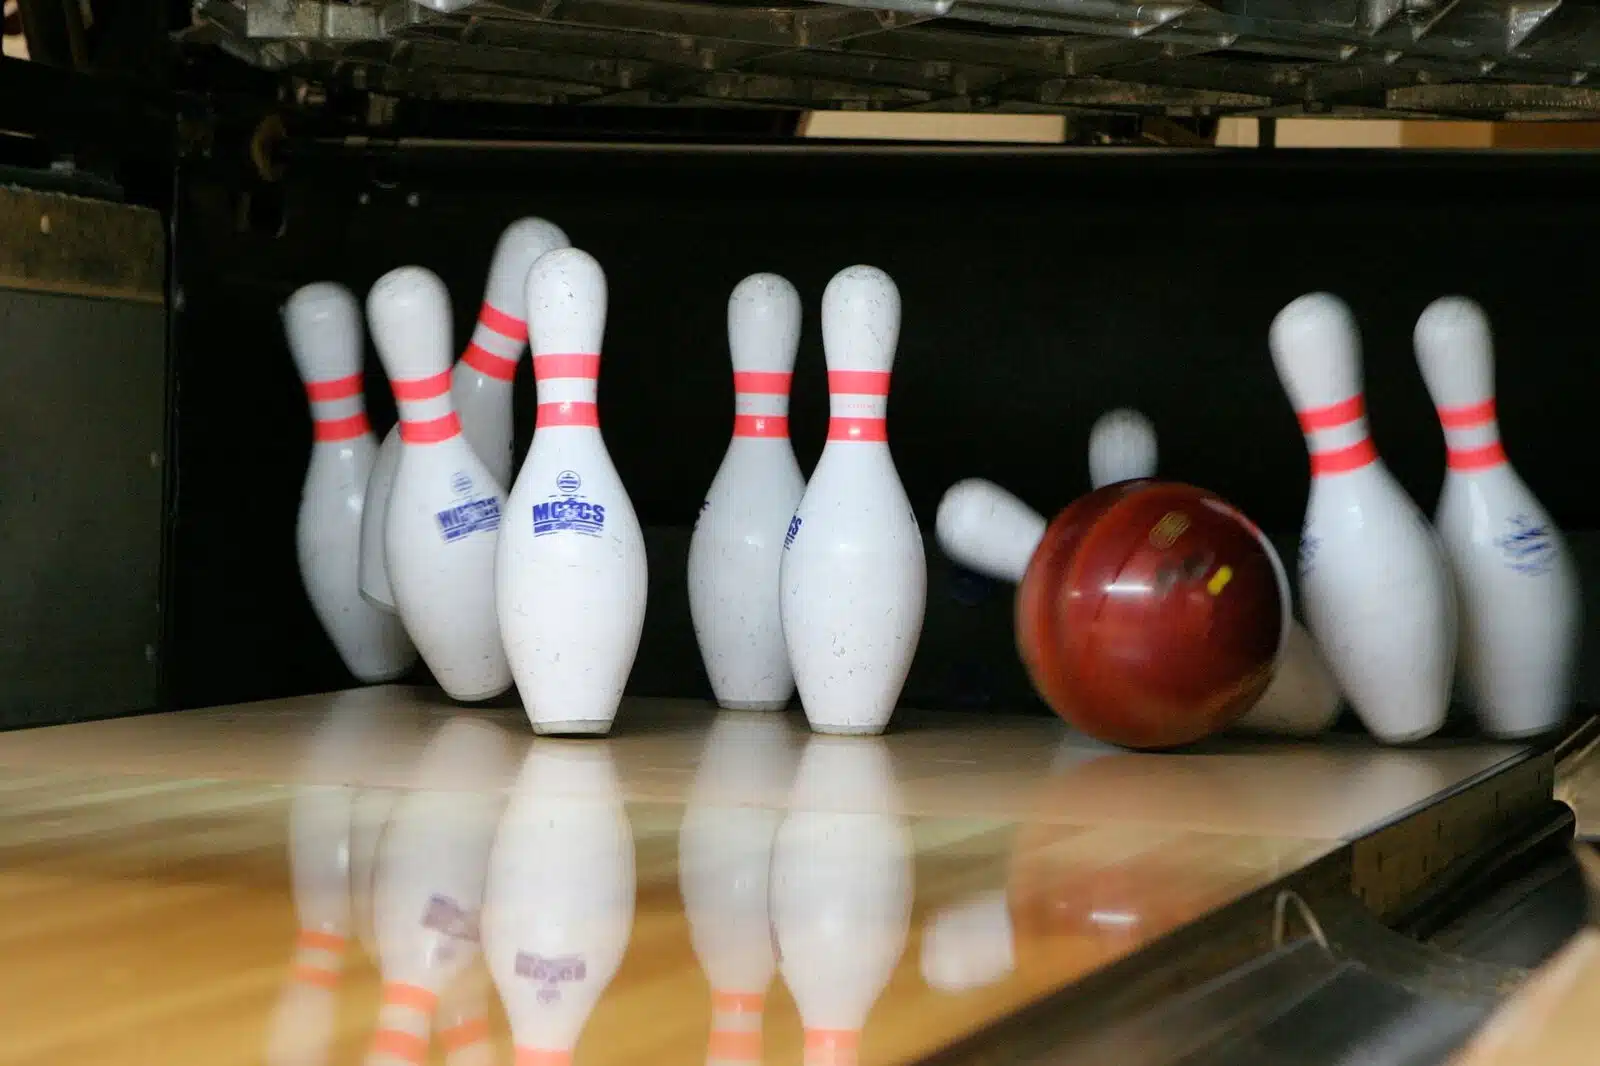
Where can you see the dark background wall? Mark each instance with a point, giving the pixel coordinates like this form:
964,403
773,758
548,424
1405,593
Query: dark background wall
1038,291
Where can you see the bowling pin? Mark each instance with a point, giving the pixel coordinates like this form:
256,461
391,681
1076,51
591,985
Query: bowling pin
854,579
1303,698
480,385
428,886
1374,584
841,891
1122,447
558,909
572,577
443,521
1515,580
724,858
984,528
737,546
323,325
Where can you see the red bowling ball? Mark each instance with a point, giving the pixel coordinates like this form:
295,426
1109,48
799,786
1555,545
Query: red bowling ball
1152,614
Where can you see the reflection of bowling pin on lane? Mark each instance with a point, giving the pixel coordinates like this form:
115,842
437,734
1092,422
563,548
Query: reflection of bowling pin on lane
323,325
1515,582
480,387
1374,583
428,887
724,856
572,577
737,546
854,579
443,521
1303,698
841,891
558,908
984,528
969,944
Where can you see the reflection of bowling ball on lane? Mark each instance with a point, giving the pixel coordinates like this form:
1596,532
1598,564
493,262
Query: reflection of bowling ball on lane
1151,614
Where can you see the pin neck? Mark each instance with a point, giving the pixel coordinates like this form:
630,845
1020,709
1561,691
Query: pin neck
761,403
496,345
831,1047
427,414
1337,437
338,410
1472,437
858,405
568,384
537,1056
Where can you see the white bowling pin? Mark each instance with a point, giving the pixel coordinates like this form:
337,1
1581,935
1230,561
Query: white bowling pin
1122,447
737,546
841,891
323,325
1515,581
559,905
428,888
724,857
1374,584
572,576
443,521
480,385
854,578
1303,698
984,528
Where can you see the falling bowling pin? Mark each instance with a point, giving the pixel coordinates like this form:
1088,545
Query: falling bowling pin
1303,698
326,339
443,521
572,575
1515,581
854,579
1374,585
737,546
480,386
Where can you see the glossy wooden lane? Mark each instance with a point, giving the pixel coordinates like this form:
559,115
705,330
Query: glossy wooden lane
160,914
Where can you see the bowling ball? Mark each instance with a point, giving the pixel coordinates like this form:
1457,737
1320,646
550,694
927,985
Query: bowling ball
1152,614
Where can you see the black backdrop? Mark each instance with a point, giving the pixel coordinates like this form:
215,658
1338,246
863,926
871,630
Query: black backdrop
1039,289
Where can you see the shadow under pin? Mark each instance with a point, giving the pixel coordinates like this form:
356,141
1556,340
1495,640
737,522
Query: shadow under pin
1589,866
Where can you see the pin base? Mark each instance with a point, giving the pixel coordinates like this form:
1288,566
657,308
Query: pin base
1408,738
753,705
478,697
847,730
588,727
1527,733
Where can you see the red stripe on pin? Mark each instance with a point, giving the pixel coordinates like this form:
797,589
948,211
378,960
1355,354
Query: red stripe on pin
546,367
508,326
568,413
431,431
488,364
1483,458
858,429
859,382
1468,416
326,430
336,389
762,382
422,388
1334,415
760,426
1343,460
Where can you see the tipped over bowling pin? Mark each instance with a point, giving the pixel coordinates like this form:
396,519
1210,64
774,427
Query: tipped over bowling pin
854,579
443,521
1515,581
572,575
323,325
480,385
1374,583
985,528
737,546
1303,698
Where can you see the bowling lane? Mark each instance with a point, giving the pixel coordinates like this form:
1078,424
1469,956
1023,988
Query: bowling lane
967,871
